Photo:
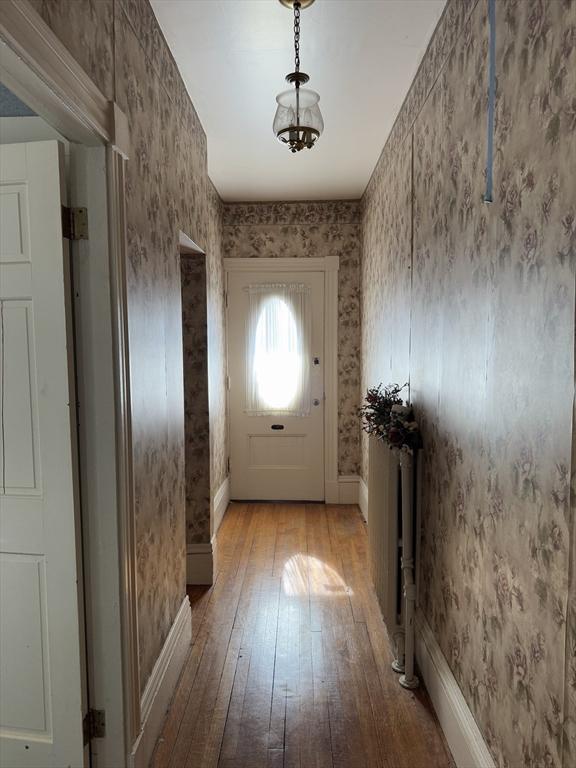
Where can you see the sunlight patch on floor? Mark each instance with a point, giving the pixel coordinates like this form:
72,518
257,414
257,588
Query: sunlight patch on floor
304,574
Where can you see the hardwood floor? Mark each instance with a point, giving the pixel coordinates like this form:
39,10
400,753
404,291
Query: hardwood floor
290,662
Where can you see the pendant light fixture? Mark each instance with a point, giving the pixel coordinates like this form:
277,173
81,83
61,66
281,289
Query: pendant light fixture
298,121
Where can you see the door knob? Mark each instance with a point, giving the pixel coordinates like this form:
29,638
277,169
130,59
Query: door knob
315,401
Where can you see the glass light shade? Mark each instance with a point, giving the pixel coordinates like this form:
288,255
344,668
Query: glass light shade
298,121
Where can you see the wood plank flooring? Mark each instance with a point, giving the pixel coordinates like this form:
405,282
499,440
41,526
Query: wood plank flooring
290,662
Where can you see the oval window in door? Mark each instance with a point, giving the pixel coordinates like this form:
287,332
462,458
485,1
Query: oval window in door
277,354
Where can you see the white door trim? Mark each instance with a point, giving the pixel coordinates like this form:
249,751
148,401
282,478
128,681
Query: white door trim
330,266
71,103
39,69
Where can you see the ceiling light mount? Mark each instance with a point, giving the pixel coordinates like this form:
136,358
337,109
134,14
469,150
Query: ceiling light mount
290,3
298,121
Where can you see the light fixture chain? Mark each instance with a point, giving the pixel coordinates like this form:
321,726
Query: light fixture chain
297,36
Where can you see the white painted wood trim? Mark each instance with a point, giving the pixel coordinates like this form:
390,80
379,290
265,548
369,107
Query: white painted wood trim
353,490
330,266
126,510
200,564
283,264
101,502
202,548
161,686
30,38
330,384
220,505
187,245
38,68
119,130
348,489
363,497
73,104
461,730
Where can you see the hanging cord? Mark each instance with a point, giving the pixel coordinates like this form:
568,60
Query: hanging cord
489,194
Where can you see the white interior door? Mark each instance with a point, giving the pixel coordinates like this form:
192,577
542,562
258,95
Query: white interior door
42,692
276,382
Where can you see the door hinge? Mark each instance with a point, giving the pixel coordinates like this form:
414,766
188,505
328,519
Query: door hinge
94,725
228,465
75,223
226,299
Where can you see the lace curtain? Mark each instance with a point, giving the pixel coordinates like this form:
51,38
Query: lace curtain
278,350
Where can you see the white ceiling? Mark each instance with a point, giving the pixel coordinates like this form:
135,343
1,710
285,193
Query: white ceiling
361,56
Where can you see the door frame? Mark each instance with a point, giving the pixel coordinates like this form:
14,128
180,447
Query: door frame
329,265
40,70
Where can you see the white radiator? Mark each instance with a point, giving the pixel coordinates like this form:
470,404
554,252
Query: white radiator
390,512
384,526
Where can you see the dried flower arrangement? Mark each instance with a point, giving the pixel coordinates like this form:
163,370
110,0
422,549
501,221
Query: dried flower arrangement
385,415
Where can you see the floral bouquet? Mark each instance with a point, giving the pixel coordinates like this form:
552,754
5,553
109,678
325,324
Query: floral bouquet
385,416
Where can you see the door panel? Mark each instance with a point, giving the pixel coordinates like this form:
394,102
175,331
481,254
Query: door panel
275,456
13,229
20,406
25,693
42,690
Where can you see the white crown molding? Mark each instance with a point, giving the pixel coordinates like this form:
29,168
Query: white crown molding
461,730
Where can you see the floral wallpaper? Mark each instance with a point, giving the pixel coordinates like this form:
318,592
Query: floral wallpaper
474,304
86,28
119,44
313,229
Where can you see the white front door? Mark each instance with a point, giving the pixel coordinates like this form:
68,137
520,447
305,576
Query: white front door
42,692
276,381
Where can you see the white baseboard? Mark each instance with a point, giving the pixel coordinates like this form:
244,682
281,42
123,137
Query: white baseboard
363,497
199,564
220,505
161,686
462,733
200,557
348,489
353,490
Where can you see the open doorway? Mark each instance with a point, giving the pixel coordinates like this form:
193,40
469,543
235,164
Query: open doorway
199,554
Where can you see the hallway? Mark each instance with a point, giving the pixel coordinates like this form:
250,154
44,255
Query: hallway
290,663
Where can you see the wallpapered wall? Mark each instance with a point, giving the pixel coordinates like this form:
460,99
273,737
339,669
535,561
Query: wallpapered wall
313,229
119,44
475,304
